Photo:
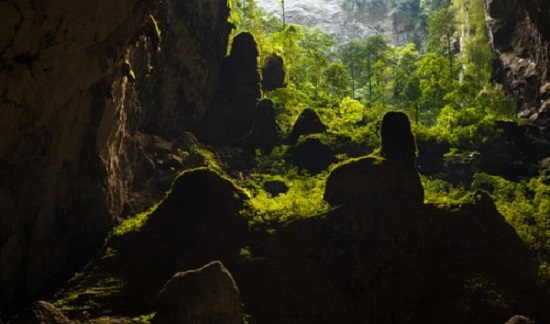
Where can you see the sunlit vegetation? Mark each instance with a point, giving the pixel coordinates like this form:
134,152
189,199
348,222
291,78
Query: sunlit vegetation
134,223
443,82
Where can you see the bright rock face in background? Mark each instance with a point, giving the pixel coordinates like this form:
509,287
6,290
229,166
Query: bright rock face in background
330,16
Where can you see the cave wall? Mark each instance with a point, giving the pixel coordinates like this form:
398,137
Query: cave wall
64,131
187,67
70,113
520,32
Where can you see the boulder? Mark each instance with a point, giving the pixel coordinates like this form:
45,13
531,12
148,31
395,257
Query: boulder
461,167
313,155
43,313
207,295
265,135
275,187
385,194
394,176
273,73
308,122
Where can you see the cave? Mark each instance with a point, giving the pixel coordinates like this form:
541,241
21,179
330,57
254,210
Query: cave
133,135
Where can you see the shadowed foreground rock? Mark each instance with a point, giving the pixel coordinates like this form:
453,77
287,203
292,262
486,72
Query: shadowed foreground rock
518,319
41,312
207,295
378,256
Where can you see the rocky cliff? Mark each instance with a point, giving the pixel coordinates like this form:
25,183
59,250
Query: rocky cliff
65,134
84,86
521,38
93,93
355,19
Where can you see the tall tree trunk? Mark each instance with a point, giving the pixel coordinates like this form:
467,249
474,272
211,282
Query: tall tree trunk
450,56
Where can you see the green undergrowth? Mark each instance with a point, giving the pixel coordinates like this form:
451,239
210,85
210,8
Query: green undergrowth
89,294
134,223
303,199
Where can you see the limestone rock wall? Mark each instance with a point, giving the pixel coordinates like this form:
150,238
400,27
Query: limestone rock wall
521,39
187,68
79,81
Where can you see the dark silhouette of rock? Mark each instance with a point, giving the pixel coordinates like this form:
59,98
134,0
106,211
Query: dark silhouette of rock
273,73
398,142
379,257
198,222
275,187
313,155
265,135
430,155
461,167
41,312
363,180
207,295
308,122
233,112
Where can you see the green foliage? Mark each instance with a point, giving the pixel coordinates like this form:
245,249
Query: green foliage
89,294
442,193
445,90
303,199
134,223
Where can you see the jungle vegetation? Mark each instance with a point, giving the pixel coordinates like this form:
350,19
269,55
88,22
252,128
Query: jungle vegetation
443,83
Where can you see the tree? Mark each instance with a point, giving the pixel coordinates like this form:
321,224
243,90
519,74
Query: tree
338,78
407,59
442,25
348,54
434,84
375,56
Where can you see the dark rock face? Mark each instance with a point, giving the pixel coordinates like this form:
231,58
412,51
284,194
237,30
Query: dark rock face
233,112
273,73
82,85
182,85
207,295
313,155
380,256
67,117
197,223
43,313
265,135
308,122
520,32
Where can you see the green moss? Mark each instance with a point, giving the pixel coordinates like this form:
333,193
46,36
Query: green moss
89,294
303,199
134,223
